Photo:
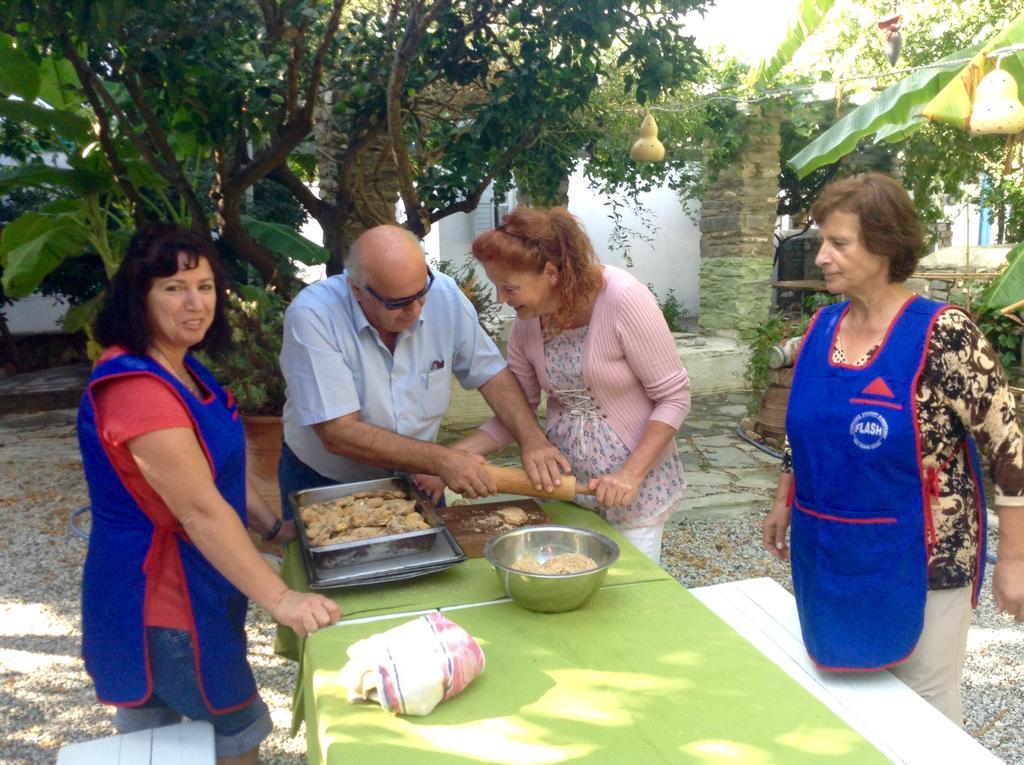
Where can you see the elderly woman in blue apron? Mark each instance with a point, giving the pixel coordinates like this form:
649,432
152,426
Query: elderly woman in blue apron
881,488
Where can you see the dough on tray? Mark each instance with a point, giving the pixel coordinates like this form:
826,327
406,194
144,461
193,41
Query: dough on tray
363,515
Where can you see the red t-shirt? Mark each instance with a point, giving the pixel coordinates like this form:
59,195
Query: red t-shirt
127,407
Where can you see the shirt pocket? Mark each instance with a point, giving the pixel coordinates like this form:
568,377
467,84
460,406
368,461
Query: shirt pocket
436,390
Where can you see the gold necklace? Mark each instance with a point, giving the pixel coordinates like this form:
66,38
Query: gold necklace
182,375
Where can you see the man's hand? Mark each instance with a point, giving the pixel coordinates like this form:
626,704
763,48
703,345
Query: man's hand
544,464
431,485
616,489
305,612
466,474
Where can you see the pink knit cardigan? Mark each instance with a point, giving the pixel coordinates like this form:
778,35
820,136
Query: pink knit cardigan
630,364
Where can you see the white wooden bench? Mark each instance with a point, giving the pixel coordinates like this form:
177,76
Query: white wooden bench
187,743
901,724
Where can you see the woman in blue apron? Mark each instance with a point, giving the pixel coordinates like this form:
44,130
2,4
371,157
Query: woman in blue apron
170,566
881,488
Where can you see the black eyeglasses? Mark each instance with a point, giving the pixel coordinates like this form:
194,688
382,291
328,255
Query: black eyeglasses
393,304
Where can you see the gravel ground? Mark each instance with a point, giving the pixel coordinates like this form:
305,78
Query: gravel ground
46,699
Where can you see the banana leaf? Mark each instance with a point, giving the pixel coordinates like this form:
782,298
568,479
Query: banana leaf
81,315
894,111
19,76
59,86
1008,288
284,240
34,244
36,174
66,123
955,102
808,17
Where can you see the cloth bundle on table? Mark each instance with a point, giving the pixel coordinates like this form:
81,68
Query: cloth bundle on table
411,668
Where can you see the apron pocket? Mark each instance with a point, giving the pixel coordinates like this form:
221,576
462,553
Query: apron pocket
853,544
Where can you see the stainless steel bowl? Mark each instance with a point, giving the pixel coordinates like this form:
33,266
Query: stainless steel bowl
550,593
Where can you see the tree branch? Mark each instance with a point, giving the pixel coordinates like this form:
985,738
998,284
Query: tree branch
294,131
470,203
229,210
316,206
103,117
316,72
417,219
172,167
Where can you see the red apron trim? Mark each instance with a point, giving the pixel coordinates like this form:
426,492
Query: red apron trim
873,402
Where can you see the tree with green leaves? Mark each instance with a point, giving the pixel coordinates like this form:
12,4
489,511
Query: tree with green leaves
434,102
937,161
423,102
151,100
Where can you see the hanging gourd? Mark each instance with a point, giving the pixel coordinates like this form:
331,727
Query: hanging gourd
647,147
997,107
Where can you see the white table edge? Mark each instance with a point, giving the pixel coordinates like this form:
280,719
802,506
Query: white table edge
877,705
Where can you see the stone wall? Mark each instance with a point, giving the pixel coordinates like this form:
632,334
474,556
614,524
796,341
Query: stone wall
737,223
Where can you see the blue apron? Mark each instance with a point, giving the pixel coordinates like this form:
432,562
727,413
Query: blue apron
125,549
862,528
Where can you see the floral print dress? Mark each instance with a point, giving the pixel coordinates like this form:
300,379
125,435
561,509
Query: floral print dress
594,448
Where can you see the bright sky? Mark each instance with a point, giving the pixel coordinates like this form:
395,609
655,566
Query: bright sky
747,29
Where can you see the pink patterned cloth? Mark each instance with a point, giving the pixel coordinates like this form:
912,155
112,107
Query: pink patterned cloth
630,363
413,667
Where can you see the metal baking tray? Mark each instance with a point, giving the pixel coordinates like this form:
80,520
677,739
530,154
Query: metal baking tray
384,548
444,554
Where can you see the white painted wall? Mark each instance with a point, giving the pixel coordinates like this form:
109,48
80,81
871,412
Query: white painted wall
34,314
666,256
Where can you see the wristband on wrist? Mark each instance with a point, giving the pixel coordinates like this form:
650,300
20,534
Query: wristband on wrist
274,530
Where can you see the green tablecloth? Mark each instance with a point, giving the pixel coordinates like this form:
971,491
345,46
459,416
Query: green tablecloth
468,582
644,673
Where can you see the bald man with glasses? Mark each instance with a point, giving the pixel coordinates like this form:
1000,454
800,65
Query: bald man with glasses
368,357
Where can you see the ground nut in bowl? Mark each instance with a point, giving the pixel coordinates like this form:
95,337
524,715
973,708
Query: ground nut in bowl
533,547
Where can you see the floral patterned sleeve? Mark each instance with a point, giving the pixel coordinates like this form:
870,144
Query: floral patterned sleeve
963,388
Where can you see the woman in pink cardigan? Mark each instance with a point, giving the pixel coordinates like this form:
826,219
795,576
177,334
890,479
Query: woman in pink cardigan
594,338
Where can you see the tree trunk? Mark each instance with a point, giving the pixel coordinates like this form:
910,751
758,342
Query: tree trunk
360,186
237,239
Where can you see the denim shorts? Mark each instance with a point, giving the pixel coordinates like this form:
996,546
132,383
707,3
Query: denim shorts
176,695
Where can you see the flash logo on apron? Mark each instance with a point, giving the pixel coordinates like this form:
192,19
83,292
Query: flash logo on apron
869,430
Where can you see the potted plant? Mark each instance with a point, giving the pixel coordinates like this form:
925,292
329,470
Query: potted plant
250,369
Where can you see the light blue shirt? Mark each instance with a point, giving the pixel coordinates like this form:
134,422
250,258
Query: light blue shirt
335,363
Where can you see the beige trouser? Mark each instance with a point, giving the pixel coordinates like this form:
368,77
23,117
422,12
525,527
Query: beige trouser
936,666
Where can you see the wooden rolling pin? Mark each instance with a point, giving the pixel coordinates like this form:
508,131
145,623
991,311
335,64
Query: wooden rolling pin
515,481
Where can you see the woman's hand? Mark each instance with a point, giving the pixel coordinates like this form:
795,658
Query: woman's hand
305,612
1008,578
544,464
617,489
1008,588
431,485
285,534
775,526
